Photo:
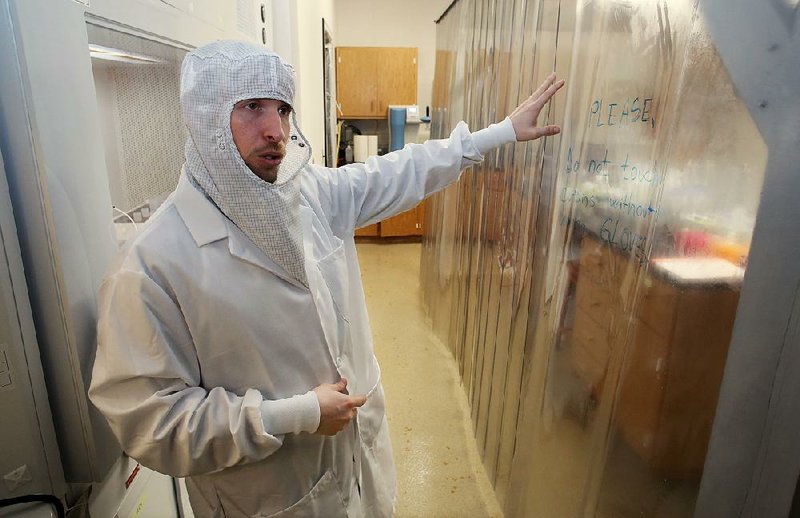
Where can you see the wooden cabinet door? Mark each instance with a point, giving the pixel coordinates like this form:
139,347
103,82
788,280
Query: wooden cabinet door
397,79
356,86
368,231
369,79
408,223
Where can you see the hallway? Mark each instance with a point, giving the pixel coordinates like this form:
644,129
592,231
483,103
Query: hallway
439,470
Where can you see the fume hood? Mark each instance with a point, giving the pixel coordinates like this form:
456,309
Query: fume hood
90,128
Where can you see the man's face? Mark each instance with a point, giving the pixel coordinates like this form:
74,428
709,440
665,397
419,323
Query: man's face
260,129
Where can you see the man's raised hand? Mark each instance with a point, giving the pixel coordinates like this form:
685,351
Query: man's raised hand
524,118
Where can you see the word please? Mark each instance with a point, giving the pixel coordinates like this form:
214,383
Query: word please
616,113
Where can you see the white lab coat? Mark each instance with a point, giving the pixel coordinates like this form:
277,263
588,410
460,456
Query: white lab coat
206,345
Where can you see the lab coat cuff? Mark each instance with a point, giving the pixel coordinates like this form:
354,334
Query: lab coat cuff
494,136
291,415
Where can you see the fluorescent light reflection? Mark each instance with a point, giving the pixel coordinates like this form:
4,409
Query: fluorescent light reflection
124,56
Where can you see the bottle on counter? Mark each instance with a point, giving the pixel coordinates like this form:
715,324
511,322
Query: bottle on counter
348,154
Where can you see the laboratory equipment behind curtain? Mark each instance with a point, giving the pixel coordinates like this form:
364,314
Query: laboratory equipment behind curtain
587,285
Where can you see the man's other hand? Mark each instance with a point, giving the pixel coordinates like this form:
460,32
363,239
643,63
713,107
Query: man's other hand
336,407
526,115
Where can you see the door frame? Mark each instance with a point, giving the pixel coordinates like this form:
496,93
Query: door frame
753,459
329,96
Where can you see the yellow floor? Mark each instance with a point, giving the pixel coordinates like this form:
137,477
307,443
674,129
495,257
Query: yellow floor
438,467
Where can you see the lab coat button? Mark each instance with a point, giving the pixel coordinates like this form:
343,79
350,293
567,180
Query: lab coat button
339,361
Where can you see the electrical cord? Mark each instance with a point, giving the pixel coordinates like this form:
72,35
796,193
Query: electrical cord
135,226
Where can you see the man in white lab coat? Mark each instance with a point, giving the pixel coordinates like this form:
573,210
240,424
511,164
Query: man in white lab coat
234,346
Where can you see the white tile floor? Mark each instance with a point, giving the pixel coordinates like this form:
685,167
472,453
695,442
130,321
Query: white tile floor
439,471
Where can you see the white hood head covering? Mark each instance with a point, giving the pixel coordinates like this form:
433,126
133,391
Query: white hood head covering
213,79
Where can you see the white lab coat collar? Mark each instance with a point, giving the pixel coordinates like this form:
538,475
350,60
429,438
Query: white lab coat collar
207,225
204,221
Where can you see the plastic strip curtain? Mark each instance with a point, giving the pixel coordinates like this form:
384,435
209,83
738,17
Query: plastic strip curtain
587,284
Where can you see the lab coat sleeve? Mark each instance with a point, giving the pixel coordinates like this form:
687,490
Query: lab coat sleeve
357,195
146,381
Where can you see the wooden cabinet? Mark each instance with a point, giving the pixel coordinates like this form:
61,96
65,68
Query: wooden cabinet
408,223
369,231
598,318
673,370
369,79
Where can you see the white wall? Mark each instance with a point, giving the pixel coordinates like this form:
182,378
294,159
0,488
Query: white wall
388,23
298,39
109,123
356,23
